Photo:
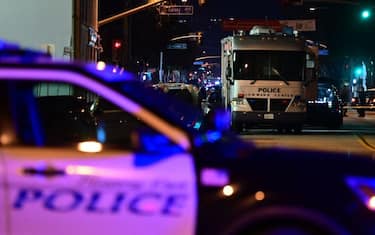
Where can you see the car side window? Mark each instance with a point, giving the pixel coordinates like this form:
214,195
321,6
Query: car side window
114,125
56,114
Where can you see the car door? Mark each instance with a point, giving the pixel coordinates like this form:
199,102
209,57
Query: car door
63,191
2,195
64,187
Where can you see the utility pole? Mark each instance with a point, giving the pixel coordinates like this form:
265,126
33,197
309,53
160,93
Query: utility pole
94,25
85,30
76,29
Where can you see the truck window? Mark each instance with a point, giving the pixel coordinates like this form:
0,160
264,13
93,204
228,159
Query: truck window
269,65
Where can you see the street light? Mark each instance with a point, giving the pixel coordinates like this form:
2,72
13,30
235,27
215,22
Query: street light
195,36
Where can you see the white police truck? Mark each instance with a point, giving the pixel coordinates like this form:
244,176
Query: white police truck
266,76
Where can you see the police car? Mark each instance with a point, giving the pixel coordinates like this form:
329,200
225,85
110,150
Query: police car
146,168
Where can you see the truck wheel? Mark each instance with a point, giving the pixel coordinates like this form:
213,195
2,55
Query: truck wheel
237,127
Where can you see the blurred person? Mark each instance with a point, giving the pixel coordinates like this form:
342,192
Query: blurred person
345,97
362,101
202,94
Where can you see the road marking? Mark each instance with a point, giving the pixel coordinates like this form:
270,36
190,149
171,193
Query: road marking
364,143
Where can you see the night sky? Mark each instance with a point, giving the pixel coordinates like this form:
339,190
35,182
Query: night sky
338,25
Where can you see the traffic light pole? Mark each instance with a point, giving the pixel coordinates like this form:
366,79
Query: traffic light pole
129,12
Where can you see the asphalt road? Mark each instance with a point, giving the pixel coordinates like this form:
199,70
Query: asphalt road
357,135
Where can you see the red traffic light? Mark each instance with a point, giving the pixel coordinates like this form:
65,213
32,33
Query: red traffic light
116,44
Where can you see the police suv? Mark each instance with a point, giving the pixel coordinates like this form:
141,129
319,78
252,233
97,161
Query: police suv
137,162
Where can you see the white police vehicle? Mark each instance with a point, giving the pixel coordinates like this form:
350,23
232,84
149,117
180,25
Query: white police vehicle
143,168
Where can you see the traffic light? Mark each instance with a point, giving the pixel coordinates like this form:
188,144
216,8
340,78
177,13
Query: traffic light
117,44
116,50
365,14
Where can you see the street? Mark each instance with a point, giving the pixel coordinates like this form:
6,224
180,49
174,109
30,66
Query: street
355,136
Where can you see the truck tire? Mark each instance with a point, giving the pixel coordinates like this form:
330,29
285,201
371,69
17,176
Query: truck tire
236,127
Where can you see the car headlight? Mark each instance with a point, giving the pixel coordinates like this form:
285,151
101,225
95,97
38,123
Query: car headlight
90,147
364,188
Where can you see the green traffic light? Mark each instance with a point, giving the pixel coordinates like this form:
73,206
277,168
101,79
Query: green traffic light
358,71
365,14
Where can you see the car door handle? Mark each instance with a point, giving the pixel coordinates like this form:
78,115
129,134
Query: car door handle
46,171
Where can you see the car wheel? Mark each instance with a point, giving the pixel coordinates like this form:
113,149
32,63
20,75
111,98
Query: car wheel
296,228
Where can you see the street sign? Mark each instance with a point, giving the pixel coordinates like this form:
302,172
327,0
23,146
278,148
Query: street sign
177,46
323,52
176,10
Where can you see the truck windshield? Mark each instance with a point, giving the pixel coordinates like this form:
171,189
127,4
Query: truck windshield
267,65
